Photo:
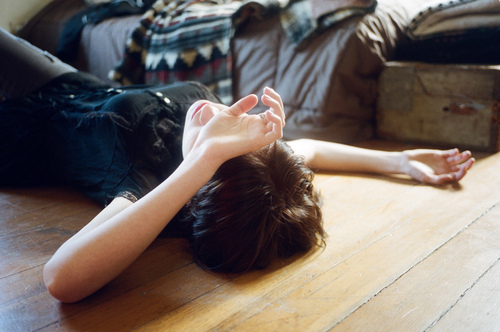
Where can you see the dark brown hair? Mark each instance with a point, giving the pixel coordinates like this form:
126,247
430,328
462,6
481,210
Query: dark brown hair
257,208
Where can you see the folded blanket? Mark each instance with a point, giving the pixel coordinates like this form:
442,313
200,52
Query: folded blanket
457,15
178,40
458,31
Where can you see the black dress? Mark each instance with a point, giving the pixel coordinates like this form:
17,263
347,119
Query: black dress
105,142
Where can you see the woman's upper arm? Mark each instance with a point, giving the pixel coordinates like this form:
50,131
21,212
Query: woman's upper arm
305,148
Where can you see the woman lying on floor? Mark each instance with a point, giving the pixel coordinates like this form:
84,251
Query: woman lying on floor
156,155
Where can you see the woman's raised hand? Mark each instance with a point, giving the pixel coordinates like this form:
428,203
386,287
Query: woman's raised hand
233,132
436,166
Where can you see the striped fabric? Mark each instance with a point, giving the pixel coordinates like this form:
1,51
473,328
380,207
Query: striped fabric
180,41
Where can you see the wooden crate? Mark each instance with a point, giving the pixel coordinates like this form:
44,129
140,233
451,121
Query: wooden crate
448,105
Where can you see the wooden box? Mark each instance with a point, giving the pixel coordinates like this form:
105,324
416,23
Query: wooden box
446,105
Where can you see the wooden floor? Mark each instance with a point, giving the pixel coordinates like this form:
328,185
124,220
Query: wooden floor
400,257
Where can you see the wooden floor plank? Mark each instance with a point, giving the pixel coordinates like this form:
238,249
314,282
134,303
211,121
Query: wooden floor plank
162,295
21,317
39,236
15,202
25,284
479,309
426,293
39,214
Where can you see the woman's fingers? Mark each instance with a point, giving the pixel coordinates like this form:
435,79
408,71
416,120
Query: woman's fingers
464,168
272,99
275,124
243,105
275,95
456,173
274,117
454,157
449,153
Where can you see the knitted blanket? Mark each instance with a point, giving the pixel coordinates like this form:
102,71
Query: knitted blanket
179,40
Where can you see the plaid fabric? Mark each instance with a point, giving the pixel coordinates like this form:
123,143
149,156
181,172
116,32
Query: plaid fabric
179,40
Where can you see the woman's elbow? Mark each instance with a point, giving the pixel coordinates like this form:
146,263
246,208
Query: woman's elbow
59,285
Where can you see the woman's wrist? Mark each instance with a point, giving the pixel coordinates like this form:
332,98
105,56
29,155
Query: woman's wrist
205,157
403,158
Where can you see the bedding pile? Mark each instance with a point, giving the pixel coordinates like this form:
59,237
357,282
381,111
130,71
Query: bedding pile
191,40
457,31
325,64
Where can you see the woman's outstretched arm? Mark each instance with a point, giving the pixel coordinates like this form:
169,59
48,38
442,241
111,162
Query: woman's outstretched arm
425,165
111,242
122,231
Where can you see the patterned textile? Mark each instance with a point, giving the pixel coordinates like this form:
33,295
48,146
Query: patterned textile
179,40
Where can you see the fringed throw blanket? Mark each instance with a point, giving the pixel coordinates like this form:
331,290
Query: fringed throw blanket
179,40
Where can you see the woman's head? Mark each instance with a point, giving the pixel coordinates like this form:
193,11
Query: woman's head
257,208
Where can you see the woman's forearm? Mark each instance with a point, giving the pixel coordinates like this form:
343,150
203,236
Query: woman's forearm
424,165
328,156
92,258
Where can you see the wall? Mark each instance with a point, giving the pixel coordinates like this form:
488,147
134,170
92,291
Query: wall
14,13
